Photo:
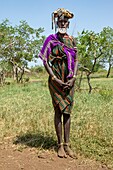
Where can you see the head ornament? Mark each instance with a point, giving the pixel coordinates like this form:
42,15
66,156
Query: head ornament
61,13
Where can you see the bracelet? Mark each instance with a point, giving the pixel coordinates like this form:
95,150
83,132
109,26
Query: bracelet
74,76
53,77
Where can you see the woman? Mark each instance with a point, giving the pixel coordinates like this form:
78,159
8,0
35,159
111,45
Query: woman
59,56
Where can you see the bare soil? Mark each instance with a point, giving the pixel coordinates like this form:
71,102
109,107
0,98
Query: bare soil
16,157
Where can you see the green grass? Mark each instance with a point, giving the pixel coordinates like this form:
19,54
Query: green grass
26,113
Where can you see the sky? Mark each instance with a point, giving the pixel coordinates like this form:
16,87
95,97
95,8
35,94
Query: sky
88,14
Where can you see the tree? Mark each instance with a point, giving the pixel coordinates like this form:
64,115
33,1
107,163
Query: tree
107,34
90,50
19,45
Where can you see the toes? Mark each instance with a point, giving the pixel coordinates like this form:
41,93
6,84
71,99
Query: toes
61,153
68,151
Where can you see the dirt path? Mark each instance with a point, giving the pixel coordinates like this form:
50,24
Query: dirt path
13,157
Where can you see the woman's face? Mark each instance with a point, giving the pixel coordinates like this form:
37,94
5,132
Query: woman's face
63,23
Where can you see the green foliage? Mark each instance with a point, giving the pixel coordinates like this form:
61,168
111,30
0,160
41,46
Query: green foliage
106,94
19,44
95,49
38,69
107,41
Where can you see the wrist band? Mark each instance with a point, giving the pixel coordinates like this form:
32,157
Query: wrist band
53,77
74,76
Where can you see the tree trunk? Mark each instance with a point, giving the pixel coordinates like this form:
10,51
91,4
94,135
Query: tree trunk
79,84
14,72
89,84
17,80
21,75
2,78
108,73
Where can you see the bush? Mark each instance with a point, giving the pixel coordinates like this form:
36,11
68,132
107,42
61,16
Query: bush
106,94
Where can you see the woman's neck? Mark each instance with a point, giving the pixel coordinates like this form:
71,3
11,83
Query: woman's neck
62,35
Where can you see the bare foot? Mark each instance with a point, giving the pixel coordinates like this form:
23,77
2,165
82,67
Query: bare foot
61,153
68,151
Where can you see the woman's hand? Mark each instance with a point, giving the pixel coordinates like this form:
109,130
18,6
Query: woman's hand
70,83
60,82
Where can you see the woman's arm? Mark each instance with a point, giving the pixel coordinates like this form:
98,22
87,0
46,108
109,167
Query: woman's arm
54,78
49,70
70,83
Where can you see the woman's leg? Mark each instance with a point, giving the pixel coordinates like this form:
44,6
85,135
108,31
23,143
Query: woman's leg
66,123
58,124
58,128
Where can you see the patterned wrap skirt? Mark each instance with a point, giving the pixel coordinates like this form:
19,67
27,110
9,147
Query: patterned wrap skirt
60,99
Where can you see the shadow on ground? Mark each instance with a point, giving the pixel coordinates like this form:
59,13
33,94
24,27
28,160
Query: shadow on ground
36,140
